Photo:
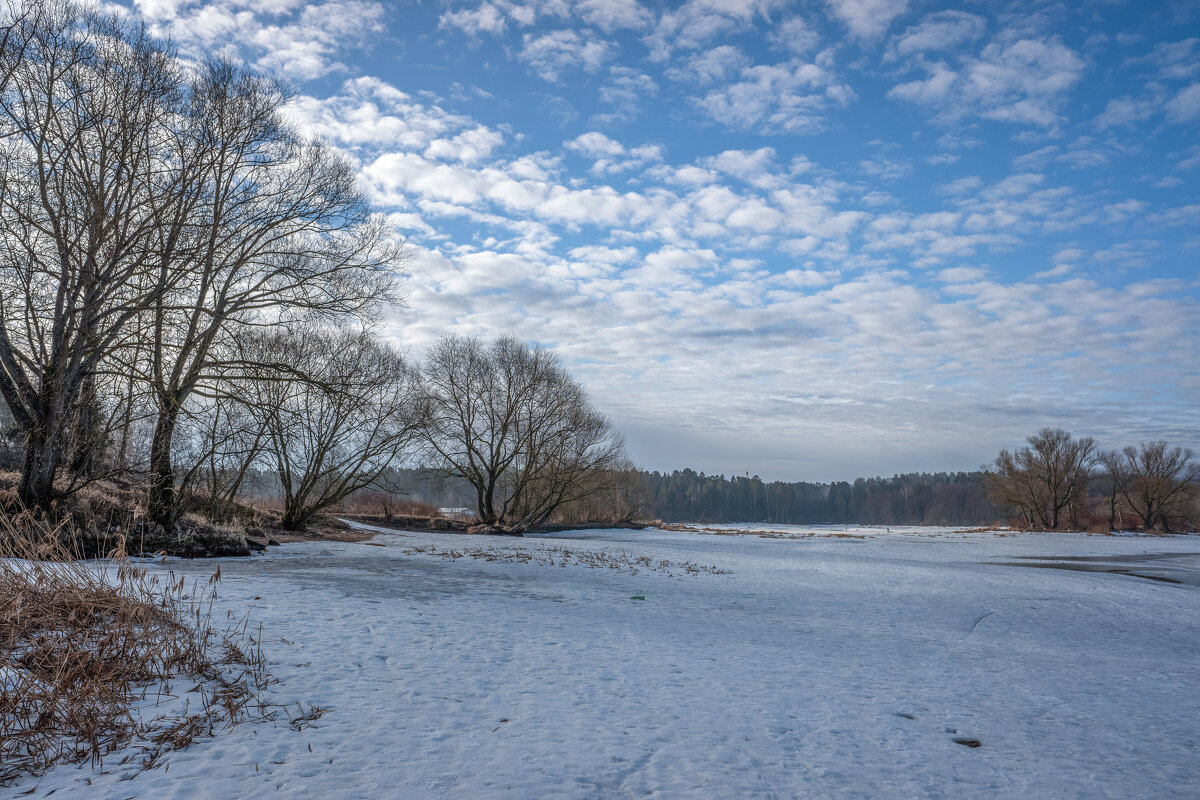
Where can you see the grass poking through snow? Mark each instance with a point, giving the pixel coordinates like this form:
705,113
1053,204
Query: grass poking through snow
564,557
89,650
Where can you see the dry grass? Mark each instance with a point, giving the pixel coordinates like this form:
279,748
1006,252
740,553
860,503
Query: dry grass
564,557
680,527
88,649
386,506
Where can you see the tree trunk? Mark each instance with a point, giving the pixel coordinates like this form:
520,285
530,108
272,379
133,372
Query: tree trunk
36,490
292,522
163,500
83,459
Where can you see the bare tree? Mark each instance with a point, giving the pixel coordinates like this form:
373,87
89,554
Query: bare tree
83,182
509,419
1157,483
274,228
337,411
1046,481
623,495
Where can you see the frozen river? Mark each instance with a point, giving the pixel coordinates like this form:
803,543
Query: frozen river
824,663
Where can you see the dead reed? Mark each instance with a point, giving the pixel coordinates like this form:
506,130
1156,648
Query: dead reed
565,557
89,651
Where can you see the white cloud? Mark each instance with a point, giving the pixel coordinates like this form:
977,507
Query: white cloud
472,145
794,34
299,47
942,30
1176,60
613,15
370,113
755,167
790,97
610,156
487,18
625,91
551,54
1126,112
697,22
887,169
867,19
962,275
717,64
1022,81
1185,106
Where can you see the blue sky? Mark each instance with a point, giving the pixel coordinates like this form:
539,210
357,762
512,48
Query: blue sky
809,240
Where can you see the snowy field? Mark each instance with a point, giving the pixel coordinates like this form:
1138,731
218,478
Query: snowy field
817,667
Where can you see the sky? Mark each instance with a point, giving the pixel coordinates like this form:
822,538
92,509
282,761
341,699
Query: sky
806,240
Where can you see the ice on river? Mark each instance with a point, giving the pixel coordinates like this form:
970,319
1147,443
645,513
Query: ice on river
824,667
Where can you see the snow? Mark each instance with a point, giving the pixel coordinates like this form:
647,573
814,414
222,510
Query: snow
822,666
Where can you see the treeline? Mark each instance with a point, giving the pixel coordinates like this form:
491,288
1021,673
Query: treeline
958,498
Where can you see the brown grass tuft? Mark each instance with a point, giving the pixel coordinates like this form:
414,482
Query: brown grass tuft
86,648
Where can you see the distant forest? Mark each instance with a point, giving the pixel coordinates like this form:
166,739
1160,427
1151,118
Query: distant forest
942,498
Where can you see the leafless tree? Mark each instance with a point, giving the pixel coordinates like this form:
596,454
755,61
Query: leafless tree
622,495
1157,483
218,444
84,180
337,411
1046,481
273,228
510,420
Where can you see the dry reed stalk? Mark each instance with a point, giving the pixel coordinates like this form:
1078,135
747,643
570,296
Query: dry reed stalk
87,648
563,557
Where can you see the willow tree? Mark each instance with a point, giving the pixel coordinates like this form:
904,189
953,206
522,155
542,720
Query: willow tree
336,410
1046,481
507,418
275,230
86,175
1157,483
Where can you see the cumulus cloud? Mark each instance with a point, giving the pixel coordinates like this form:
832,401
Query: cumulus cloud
1023,81
300,45
487,18
794,34
942,30
789,97
710,66
1126,112
697,22
625,92
551,54
613,15
1185,106
609,156
867,19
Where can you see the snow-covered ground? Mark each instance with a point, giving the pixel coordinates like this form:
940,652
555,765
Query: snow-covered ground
825,667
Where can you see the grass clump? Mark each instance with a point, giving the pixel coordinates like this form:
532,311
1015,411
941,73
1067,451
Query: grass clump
89,651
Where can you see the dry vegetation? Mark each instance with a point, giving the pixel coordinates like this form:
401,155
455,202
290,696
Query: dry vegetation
91,653
762,534
564,557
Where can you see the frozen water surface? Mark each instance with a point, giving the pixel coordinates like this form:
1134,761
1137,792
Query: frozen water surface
815,667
